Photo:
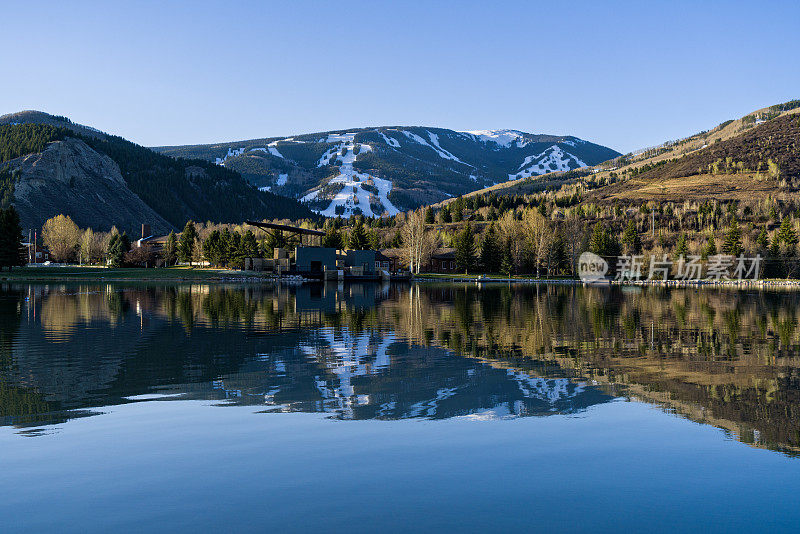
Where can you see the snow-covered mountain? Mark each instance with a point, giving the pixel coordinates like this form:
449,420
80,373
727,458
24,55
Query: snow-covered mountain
380,170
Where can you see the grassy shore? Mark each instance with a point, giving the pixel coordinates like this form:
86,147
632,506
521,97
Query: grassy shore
166,274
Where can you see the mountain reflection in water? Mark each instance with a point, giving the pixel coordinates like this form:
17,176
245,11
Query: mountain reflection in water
435,351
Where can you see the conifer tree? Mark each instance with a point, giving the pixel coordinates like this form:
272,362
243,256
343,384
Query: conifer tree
11,251
465,249
733,240
711,248
444,215
213,248
249,246
115,251
763,240
506,264
332,238
786,234
186,243
170,251
374,240
490,251
682,247
358,239
631,239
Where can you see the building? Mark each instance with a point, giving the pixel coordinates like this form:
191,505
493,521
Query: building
360,262
42,253
388,260
443,260
315,260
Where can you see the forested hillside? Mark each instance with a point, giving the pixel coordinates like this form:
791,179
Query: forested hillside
74,178
383,170
182,189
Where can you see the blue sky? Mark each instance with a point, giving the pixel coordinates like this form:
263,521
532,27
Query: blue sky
623,74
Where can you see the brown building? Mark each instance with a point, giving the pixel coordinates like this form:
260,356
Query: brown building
443,260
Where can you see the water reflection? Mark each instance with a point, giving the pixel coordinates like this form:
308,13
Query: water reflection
373,351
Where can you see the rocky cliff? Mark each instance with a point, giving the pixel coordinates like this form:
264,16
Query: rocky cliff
70,177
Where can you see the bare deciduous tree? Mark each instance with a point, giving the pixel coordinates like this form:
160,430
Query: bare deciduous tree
418,241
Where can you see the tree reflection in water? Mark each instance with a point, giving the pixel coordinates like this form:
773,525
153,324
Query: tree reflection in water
722,357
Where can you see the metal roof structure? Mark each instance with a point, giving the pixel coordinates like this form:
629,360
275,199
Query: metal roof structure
286,228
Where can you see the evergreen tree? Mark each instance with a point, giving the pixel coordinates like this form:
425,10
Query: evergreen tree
115,251
233,251
682,247
786,239
557,258
631,239
597,242
332,238
186,243
397,241
429,216
602,242
465,249
374,240
490,251
170,251
125,242
711,248
733,240
213,248
506,264
11,251
786,233
249,246
763,240
457,211
444,215
358,239
774,247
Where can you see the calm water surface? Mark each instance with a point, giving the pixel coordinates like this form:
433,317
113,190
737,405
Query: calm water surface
432,407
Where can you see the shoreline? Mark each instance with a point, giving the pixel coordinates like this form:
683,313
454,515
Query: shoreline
222,276
690,284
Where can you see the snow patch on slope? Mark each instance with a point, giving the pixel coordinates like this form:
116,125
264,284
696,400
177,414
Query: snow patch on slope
391,141
435,146
552,159
353,195
442,152
232,153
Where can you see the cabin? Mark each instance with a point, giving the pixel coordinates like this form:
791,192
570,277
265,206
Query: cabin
384,262
42,253
443,260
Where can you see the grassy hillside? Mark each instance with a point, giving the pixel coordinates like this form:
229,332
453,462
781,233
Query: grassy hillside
756,155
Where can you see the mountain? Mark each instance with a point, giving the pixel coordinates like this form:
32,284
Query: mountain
750,158
392,168
50,165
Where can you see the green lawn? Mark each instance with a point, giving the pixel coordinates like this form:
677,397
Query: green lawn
102,273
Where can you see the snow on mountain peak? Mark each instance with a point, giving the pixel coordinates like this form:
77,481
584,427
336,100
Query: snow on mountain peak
501,137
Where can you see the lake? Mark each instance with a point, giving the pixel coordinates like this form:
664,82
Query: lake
427,407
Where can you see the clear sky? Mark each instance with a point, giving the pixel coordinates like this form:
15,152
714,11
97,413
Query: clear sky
626,75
